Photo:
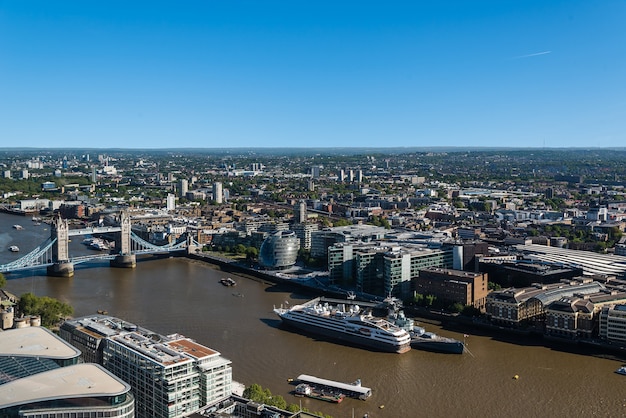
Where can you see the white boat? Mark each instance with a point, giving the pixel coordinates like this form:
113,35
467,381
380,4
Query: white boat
420,338
621,370
18,226
14,248
96,244
347,322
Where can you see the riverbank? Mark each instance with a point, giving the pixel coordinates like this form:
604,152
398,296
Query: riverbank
454,322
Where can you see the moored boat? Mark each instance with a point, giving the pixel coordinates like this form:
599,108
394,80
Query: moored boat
14,248
18,227
346,322
99,245
309,391
432,342
228,282
353,390
420,338
621,370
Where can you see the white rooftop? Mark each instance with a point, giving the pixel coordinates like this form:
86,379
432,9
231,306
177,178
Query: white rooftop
78,381
35,342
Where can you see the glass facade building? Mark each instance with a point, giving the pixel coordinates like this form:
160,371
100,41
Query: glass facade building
279,250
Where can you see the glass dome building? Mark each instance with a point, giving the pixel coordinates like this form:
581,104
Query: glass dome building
279,250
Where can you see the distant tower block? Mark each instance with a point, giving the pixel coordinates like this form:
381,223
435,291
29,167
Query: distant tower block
184,187
218,195
300,214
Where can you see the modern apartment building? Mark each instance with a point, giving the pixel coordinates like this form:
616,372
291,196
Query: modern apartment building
170,375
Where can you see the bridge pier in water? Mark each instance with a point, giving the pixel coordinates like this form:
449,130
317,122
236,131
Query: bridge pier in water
61,269
124,261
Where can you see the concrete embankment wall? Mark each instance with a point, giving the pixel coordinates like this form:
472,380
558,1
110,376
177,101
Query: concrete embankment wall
233,267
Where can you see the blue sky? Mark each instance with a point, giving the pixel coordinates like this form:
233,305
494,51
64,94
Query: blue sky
214,74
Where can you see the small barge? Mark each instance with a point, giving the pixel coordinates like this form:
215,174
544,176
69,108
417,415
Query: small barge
352,390
309,391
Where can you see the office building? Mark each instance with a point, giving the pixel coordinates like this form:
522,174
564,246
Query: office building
321,240
383,268
303,232
453,286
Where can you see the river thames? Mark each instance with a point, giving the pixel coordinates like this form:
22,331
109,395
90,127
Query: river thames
178,295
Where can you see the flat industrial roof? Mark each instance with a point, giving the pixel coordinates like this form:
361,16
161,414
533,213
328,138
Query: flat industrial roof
78,381
35,342
590,262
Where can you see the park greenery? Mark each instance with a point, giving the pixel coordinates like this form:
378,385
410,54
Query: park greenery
51,310
433,302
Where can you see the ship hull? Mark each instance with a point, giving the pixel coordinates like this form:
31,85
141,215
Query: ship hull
344,338
449,347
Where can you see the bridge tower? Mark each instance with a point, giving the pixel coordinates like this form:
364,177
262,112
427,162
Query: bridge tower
122,245
62,267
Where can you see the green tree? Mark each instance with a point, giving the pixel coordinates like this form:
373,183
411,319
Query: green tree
3,281
342,222
493,286
49,309
418,299
456,307
252,253
430,300
256,393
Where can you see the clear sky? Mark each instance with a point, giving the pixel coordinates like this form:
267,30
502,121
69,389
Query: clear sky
263,73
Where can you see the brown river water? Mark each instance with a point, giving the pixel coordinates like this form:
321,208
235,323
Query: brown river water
184,296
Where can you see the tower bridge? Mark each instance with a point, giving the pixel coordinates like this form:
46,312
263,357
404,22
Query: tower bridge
54,253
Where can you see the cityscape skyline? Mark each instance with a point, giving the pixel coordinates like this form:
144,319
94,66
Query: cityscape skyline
215,75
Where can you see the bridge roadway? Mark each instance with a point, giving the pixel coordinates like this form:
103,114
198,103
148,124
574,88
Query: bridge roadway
94,230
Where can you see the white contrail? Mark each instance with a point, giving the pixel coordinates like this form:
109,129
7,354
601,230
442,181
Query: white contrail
533,55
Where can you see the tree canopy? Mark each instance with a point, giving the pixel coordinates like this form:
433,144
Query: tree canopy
49,309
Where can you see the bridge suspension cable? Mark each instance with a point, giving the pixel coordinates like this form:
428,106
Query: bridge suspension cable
40,256
139,245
